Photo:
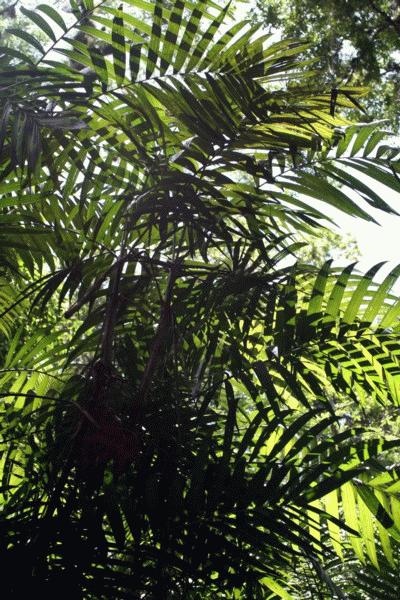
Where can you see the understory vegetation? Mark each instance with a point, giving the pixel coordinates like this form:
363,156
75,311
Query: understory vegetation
195,403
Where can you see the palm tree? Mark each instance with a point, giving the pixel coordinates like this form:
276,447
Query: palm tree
172,377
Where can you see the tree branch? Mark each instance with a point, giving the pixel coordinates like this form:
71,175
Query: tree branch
392,22
164,324
111,316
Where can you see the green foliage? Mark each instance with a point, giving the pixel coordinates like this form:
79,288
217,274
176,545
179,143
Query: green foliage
169,375
328,244
353,41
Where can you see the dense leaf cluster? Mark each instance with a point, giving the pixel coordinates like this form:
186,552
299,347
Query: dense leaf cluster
171,374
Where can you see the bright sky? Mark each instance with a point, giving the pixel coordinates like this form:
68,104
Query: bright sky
376,242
